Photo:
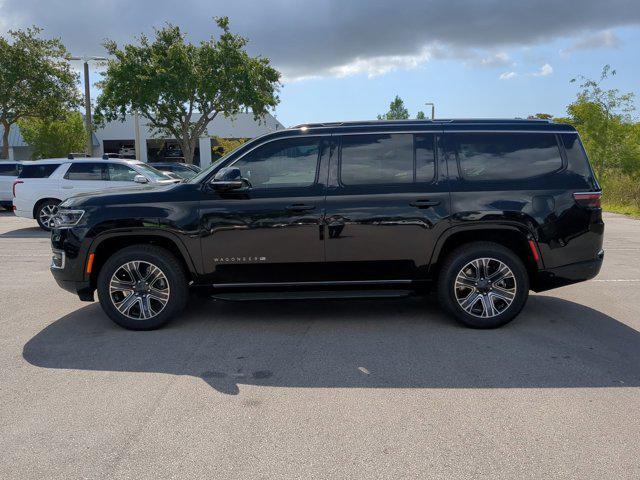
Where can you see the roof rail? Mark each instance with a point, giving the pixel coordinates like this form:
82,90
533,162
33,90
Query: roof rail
426,121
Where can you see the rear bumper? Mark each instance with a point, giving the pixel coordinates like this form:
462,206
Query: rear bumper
567,274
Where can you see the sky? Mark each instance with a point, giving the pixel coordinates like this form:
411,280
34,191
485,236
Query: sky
347,59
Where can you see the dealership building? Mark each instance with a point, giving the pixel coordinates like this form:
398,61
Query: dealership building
118,137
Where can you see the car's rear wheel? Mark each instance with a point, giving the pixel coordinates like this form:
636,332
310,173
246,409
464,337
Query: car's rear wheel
483,285
142,287
45,211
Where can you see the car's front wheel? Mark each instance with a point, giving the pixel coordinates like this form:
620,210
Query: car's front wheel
142,287
483,284
45,212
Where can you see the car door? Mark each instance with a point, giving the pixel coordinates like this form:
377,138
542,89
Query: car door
83,177
387,202
270,232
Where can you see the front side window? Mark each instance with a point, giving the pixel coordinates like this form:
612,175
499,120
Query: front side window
86,171
121,173
374,159
151,173
282,163
506,156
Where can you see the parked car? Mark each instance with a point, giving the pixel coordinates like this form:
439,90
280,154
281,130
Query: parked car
43,184
480,211
182,170
9,171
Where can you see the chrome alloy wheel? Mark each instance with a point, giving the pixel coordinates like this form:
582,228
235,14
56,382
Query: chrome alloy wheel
139,290
46,214
485,287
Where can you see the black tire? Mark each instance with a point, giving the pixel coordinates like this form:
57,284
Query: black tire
170,267
461,258
49,203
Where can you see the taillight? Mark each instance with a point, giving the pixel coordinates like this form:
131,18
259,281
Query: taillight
588,199
16,182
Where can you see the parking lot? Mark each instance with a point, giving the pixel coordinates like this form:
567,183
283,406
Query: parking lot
326,389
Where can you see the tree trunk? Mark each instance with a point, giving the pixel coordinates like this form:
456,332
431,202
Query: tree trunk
5,140
188,146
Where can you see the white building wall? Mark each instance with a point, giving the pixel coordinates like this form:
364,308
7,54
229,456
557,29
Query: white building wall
242,125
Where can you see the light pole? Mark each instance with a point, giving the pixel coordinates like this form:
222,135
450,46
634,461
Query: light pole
87,99
433,109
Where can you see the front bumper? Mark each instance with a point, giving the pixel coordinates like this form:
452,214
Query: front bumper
568,274
68,264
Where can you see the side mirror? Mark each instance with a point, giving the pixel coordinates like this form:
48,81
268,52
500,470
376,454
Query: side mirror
229,178
140,179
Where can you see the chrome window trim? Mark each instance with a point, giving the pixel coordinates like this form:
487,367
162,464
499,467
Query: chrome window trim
372,132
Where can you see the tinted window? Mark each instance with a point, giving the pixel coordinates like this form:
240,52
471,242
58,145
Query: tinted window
281,163
425,157
373,159
38,171
577,158
86,171
8,169
121,173
506,156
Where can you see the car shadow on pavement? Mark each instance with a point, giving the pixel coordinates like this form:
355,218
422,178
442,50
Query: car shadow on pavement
29,232
399,343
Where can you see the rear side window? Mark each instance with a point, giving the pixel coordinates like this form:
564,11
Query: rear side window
9,169
577,161
506,156
86,171
387,159
38,171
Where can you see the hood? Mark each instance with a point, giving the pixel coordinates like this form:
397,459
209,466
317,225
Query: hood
134,194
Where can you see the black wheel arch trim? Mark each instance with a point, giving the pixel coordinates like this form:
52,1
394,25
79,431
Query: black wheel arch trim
146,232
468,227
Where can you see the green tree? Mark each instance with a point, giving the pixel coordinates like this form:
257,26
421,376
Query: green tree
36,79
54,137
397,110
420,115
225,145
603,118
179,87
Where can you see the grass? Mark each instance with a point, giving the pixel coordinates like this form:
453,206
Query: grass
621,193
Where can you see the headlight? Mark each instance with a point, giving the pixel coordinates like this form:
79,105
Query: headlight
67,218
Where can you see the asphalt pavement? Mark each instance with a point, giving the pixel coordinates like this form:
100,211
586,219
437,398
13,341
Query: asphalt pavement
319,389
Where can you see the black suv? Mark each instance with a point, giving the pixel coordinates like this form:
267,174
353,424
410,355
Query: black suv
482,210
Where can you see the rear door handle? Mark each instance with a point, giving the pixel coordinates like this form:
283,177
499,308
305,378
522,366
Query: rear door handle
299,207
424,203
68,187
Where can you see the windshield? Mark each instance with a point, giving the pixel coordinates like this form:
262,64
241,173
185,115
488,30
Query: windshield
152,173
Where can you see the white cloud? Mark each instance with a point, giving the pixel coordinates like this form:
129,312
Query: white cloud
500,59
544,71
508,75
604,39
373,67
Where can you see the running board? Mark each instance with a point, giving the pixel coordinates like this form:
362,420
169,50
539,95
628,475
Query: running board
310,295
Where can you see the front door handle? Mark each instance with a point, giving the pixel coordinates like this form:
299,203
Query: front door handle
299,207
67,187
424,203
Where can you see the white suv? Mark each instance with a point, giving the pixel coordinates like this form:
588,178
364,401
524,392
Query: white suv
43,184
9,171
